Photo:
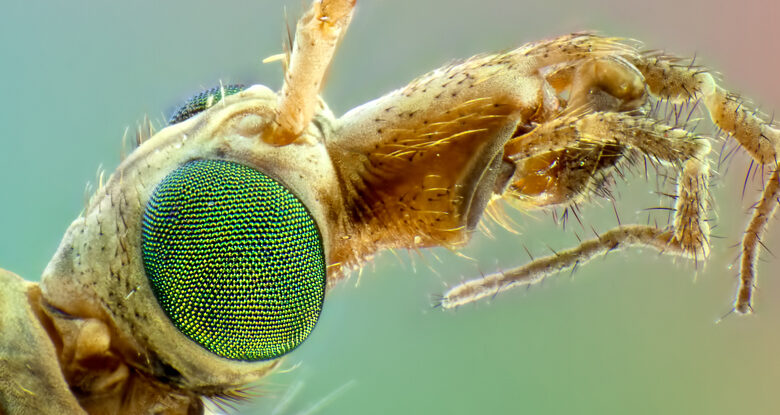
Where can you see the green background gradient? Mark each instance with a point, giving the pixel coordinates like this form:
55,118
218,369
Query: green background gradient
634,333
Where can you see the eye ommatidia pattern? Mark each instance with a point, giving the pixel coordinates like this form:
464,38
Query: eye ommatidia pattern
234,259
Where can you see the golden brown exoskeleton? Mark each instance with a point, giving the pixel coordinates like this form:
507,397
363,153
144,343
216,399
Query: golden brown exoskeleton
545,125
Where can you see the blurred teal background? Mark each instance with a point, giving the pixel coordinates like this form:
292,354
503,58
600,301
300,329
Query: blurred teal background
633,333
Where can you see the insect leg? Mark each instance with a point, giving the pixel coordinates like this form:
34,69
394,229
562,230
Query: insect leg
648,136
537,270
764,211
669,79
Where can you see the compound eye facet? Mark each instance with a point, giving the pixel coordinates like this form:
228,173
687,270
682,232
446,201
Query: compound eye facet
234,258
203,101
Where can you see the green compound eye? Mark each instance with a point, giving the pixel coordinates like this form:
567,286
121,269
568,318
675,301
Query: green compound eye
203,101
234,259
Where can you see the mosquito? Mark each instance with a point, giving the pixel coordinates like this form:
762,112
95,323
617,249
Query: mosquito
205,257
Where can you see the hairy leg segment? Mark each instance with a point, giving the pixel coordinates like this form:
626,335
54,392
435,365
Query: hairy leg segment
602,113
